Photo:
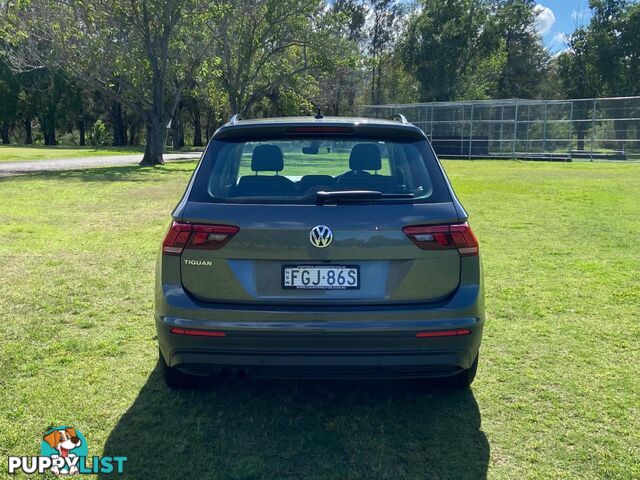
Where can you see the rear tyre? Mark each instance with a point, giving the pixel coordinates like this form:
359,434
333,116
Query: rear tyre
464,379
174,378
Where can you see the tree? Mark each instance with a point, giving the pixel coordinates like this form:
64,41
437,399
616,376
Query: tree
266,44
339,87
384,24
604,60
578,81
525,57
140,53
443,40
9,89
42,95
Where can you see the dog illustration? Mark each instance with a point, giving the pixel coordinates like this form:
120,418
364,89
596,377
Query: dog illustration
63,440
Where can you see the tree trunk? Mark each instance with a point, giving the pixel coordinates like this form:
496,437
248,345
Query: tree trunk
49,137
197,126
155,143
234,104
177,132
118,126
28,135
134,128
48,127
82,132
4,133
580,142
208,130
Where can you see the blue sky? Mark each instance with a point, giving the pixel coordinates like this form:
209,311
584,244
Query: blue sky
558,18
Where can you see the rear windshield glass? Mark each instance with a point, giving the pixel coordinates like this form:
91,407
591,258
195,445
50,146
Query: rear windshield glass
295,170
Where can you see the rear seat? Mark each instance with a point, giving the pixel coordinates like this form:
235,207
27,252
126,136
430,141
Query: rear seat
309,181
265,158
364,158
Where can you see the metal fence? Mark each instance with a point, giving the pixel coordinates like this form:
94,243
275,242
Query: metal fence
586,129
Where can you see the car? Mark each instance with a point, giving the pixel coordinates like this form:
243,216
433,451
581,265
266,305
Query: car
319,247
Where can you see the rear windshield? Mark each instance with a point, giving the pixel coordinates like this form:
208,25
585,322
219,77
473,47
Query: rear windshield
295,170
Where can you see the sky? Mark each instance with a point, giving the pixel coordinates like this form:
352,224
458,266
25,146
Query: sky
559,18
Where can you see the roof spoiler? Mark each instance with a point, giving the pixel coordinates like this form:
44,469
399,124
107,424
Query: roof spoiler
398,117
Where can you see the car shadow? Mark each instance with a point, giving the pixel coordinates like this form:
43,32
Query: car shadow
311,429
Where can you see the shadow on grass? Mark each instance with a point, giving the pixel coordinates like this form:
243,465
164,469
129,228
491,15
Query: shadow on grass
125,173
287,429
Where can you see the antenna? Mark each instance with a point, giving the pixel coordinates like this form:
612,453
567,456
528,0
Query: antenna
318,115
234,119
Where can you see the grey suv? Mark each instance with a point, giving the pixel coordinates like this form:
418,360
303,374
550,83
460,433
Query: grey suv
319,247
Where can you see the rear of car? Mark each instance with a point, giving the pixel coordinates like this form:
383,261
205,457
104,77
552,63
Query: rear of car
319,248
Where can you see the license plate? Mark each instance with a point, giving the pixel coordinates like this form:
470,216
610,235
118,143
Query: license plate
321,277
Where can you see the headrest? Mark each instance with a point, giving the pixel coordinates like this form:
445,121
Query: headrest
365,156
267,158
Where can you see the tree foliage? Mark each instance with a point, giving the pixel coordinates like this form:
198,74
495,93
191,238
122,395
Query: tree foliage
142,54
131,66
442,43
267,46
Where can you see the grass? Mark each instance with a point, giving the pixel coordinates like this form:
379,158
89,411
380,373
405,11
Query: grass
13,153
557,393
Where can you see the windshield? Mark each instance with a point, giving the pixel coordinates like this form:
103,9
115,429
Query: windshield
295,170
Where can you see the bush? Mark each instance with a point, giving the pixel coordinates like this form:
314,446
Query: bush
69,138
99,134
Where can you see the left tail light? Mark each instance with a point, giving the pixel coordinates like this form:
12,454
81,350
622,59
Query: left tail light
444,237
197,236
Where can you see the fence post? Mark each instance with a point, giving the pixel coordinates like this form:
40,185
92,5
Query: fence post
471,131
501,128
571,129
431,123
515,131
544,128
528,124
593,128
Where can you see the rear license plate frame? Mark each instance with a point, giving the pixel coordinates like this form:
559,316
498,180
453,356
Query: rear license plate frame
320,287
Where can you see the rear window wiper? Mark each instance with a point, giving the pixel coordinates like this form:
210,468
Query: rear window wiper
356,196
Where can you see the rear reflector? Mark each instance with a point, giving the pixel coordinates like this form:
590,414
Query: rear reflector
196,333
444,333
444,237
192,235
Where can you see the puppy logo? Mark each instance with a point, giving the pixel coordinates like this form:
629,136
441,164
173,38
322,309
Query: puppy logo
64,451
66,443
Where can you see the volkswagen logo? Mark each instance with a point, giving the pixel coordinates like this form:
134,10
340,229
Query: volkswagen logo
320,236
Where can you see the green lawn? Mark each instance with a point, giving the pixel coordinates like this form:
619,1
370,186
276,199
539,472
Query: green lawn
12,153
557,393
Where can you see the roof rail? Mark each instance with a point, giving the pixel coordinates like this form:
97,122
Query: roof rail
235,118
398,117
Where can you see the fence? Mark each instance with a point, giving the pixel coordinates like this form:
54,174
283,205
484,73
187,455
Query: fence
587,129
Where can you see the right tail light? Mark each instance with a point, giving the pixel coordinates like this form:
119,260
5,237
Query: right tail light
444,237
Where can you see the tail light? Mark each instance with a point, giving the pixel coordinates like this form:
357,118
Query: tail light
444,237
192,235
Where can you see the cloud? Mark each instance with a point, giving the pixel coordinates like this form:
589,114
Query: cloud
545,19
559,43
560,37
580,17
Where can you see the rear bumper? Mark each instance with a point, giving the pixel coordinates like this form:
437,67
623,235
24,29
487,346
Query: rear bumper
322,342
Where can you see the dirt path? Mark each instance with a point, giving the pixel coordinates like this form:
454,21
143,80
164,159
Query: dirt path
17,168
